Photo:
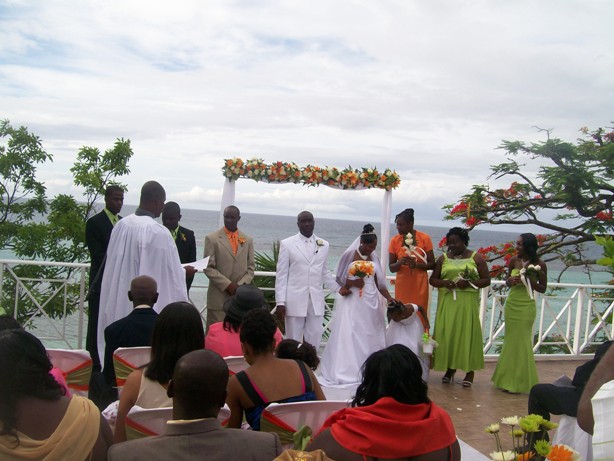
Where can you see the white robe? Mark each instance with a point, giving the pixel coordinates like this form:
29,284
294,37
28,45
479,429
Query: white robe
139,246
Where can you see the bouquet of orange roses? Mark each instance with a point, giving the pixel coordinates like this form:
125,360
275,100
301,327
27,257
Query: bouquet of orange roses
362,269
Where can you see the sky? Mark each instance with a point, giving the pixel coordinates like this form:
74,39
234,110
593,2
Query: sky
427,88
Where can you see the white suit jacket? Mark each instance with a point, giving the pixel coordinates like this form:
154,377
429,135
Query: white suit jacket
301,276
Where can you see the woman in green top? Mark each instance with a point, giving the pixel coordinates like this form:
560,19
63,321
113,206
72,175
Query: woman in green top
459,274
516,371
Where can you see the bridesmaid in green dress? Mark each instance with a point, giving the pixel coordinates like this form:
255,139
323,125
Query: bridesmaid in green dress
516,371
459,274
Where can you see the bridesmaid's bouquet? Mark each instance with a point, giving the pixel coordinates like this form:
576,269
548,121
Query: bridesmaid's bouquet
468,274
413,251
531,271
362,269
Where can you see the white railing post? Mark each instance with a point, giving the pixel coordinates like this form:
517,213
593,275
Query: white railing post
577,341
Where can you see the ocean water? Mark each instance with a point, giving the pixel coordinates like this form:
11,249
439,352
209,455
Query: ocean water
266,229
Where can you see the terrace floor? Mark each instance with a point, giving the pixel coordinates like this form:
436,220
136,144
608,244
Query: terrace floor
472,409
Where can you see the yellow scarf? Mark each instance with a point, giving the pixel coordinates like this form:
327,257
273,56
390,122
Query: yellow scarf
74,438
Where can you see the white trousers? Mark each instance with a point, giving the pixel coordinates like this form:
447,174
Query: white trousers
309,328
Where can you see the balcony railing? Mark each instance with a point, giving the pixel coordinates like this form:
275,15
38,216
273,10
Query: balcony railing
570,317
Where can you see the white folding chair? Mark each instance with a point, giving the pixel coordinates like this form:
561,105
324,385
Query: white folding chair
146,422
75,365
236,363
570,434
286,418
128,359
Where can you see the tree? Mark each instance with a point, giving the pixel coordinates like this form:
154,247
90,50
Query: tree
22,196
570,197
52,230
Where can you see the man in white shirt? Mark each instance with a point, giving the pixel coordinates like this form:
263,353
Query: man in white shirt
302,272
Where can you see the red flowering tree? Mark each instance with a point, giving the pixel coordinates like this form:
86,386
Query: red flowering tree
570,196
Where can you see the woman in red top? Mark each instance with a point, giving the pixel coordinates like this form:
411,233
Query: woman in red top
391,416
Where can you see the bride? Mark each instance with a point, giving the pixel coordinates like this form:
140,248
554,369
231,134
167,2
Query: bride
358,325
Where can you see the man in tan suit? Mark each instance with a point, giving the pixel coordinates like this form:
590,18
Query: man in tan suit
198,389
231,263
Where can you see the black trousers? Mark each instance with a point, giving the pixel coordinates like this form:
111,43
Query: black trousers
546,399
91,339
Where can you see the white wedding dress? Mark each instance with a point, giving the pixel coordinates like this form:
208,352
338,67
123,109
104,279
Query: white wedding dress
358,330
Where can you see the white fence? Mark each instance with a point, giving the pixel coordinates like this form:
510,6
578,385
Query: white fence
570,317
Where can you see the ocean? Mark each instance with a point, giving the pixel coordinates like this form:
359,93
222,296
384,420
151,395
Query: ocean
266,229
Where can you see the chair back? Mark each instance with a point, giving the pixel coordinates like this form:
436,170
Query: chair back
236,363
128,359
75,365
569,433
146,422
287,419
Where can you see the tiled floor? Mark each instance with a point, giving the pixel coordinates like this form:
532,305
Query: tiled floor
472,409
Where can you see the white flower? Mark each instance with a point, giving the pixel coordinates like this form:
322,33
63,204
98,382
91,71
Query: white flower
492,429
511,420
320,243
409,241
503,455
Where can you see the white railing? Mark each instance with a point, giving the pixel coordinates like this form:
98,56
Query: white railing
570,318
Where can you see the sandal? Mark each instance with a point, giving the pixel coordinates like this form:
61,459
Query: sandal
468,381
448,377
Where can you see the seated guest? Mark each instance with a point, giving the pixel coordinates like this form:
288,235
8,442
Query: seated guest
8,322
292,349
268,379
550,398
223,337
178,330
198,390
136,328
37,420
391,416
603,374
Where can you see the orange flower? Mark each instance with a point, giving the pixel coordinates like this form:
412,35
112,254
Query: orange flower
525,456
560,453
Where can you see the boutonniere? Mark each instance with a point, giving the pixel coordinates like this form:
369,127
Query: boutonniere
319,243
183,237
241,240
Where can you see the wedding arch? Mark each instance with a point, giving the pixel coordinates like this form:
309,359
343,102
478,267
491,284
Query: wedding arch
287,172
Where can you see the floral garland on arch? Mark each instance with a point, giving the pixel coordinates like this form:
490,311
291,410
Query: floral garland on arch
310,175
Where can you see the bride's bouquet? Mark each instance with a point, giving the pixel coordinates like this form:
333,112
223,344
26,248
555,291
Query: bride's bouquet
362,269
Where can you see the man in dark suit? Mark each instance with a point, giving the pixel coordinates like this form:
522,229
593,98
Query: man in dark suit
560,400
136,328
198,389
184,238
97,234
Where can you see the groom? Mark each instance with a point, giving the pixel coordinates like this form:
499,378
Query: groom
301,273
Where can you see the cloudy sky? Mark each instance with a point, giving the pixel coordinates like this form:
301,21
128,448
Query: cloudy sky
428,88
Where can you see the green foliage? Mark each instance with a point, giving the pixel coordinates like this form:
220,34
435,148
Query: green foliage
267,263
21,195
35,228
570,197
